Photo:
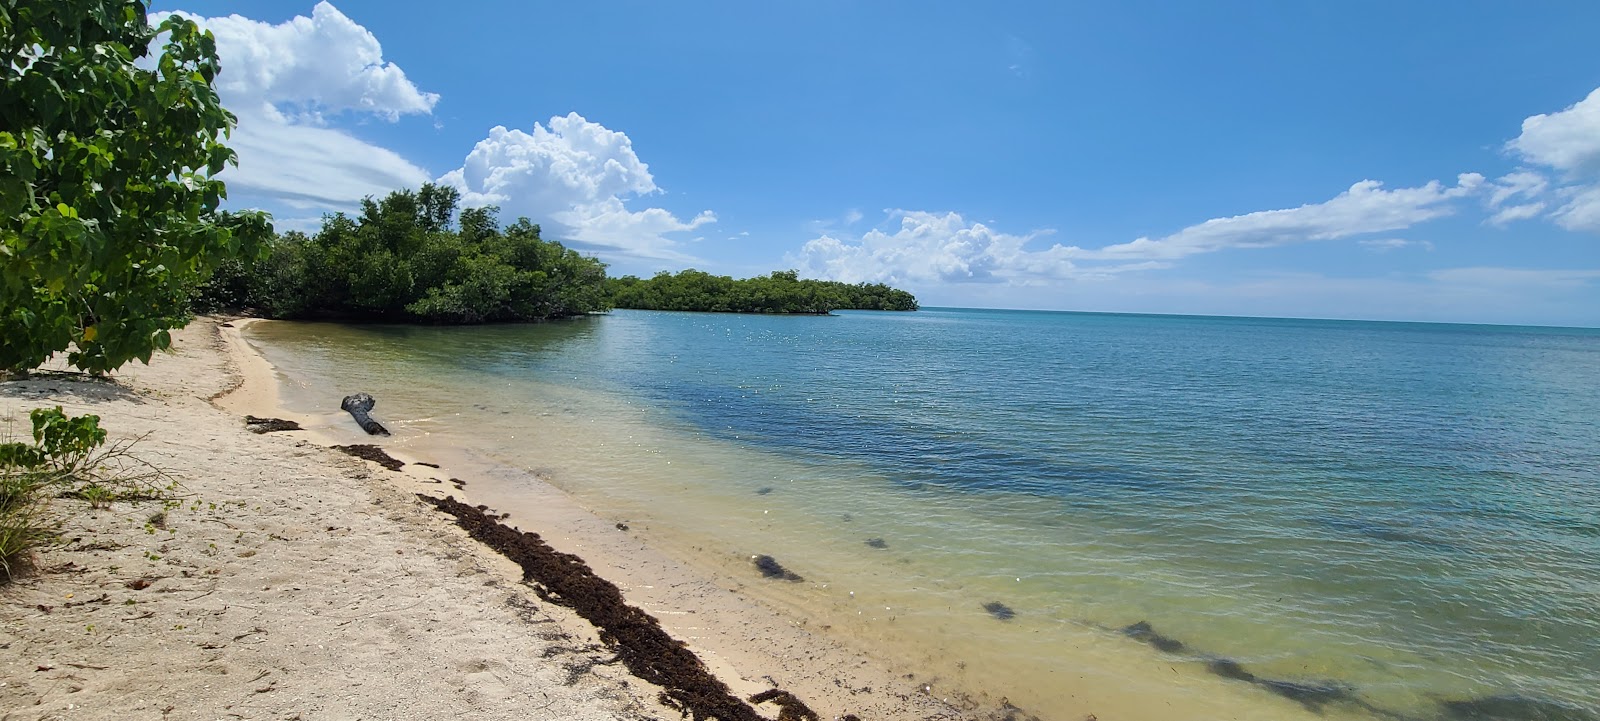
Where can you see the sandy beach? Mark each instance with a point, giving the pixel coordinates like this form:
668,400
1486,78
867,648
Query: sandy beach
297,582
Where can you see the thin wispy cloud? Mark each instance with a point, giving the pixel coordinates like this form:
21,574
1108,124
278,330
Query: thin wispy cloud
1384,245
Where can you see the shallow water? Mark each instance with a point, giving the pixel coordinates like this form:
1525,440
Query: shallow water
1358,519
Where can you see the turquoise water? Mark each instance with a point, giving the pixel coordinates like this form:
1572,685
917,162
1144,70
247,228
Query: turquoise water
1370,519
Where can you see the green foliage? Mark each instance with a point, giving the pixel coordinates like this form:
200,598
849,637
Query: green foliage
780,292
67,457
400,260
108,202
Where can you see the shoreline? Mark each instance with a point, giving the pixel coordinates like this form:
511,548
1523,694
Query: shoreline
758,632
280,581
750,646
686,494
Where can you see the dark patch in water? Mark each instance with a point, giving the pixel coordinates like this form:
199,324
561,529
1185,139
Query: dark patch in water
877,543
763,490
1142,631
1313,695
999,610
1379,531
1513,707
917,461
770,568
1229,668
846,517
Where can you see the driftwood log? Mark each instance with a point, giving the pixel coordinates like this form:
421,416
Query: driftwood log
360,408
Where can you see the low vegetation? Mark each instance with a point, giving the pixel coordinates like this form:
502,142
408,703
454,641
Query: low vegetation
780,292
65,457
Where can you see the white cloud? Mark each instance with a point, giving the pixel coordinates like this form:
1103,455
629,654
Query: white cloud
927,247
314,168
1568,140
576,174
1502,277
934,247
1384,245
1582,209
1512,213
943,248
307,225
285,82
1365,208
1521,184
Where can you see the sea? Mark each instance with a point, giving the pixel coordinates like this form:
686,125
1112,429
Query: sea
1303,518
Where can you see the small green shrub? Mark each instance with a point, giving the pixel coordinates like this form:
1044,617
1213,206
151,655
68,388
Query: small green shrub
68,457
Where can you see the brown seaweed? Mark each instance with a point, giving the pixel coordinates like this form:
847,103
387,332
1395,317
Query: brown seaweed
789,707
257,424
647,650
370,452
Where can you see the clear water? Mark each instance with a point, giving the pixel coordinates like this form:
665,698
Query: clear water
1370,519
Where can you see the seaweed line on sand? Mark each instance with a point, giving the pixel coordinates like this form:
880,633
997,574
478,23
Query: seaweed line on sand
648,651
373,453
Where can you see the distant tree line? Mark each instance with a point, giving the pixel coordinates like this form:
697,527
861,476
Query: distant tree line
402,259
780,292
410,257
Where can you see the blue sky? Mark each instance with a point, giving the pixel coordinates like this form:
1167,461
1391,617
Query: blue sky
1414,161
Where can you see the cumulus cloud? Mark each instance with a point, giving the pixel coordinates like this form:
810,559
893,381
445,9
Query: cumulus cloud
1567,142
286,82
1365,208
578,175
943,248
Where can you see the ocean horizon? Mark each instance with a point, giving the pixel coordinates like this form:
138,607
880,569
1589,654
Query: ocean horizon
1361,519
1213,316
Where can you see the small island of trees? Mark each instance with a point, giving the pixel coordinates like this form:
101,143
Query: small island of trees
412,258
780,292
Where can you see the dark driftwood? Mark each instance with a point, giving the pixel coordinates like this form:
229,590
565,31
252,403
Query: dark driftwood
360,407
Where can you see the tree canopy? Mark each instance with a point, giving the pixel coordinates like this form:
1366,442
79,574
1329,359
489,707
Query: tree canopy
402,259
779,292
108,196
